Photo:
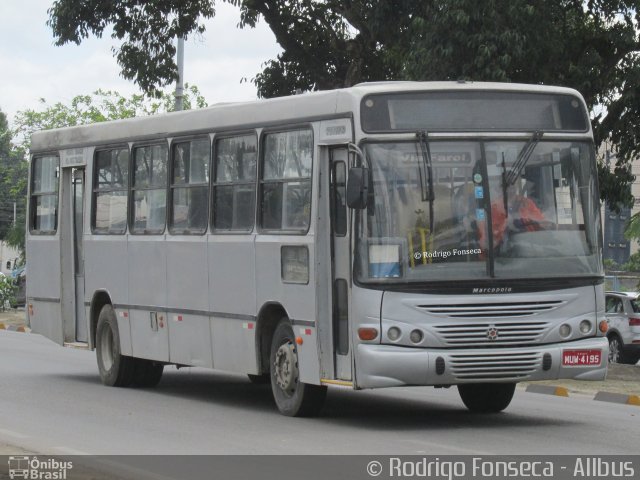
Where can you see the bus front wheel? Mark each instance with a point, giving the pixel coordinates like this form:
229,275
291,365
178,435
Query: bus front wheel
486,397
293,397
116,370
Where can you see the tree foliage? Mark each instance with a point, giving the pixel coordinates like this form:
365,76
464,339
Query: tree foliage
147,31
13,185
8,291
592,45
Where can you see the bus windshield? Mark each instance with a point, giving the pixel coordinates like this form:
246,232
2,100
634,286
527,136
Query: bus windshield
499,209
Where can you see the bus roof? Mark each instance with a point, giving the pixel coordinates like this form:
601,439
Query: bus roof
243,115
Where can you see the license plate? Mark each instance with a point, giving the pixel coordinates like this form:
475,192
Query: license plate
579,358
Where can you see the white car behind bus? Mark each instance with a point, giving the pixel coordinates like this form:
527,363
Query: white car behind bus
623,315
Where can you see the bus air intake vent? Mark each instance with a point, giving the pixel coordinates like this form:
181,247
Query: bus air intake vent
494,366
491,310
491,334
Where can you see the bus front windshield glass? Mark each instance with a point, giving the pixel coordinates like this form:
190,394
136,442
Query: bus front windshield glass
456,210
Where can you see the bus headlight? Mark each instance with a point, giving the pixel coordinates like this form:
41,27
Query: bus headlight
565,330
394,333
585,327
416,336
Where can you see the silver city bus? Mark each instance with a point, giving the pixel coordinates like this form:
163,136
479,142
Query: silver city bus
383,235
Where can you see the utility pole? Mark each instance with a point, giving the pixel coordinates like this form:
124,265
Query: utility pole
180,83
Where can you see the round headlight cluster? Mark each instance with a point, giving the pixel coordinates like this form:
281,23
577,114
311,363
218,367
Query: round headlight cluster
585,327
416,336
394,333
565,330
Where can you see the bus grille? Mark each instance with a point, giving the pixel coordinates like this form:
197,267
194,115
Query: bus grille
493,310
491,334
495,366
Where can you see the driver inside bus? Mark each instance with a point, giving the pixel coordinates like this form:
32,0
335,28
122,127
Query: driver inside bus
521,215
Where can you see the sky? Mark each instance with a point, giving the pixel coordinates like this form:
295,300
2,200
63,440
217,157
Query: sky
32,67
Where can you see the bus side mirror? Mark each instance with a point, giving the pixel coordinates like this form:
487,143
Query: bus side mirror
358,188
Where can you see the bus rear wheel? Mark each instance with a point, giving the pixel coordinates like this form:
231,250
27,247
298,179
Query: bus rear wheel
486,397
293,398
116,370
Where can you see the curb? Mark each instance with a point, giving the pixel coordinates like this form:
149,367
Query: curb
15,328
619,398
548,390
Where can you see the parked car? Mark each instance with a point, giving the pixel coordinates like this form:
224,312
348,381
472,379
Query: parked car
623,315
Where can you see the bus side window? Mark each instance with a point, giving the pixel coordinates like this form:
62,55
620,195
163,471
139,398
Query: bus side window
44,195
149,188
111,181
234,185
190,186
286,181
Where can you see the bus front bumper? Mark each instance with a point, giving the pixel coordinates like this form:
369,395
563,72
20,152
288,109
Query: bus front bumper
380,366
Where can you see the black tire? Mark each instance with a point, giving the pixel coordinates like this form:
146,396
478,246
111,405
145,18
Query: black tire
616,354
263,379
147,373
293,398
486,397
116,370
633,358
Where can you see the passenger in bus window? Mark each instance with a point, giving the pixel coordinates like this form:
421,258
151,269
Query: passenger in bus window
520,214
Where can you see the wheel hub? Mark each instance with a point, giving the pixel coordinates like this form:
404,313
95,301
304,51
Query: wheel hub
108,352
614,351
286,367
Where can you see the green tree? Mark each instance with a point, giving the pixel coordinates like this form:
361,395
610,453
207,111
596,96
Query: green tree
7,292
633,264
147,31
592,46
12,185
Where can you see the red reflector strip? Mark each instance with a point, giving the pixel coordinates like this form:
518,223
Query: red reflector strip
307,331
248,325
634,322
179,318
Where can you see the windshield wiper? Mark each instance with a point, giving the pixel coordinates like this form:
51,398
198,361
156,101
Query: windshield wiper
523,158
504,185
427,196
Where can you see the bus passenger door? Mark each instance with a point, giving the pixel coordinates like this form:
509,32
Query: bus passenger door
341,265
71,255
78,253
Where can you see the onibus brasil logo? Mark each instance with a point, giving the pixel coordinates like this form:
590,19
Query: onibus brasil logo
32,468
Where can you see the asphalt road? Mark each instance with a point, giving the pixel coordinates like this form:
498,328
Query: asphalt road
52,402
